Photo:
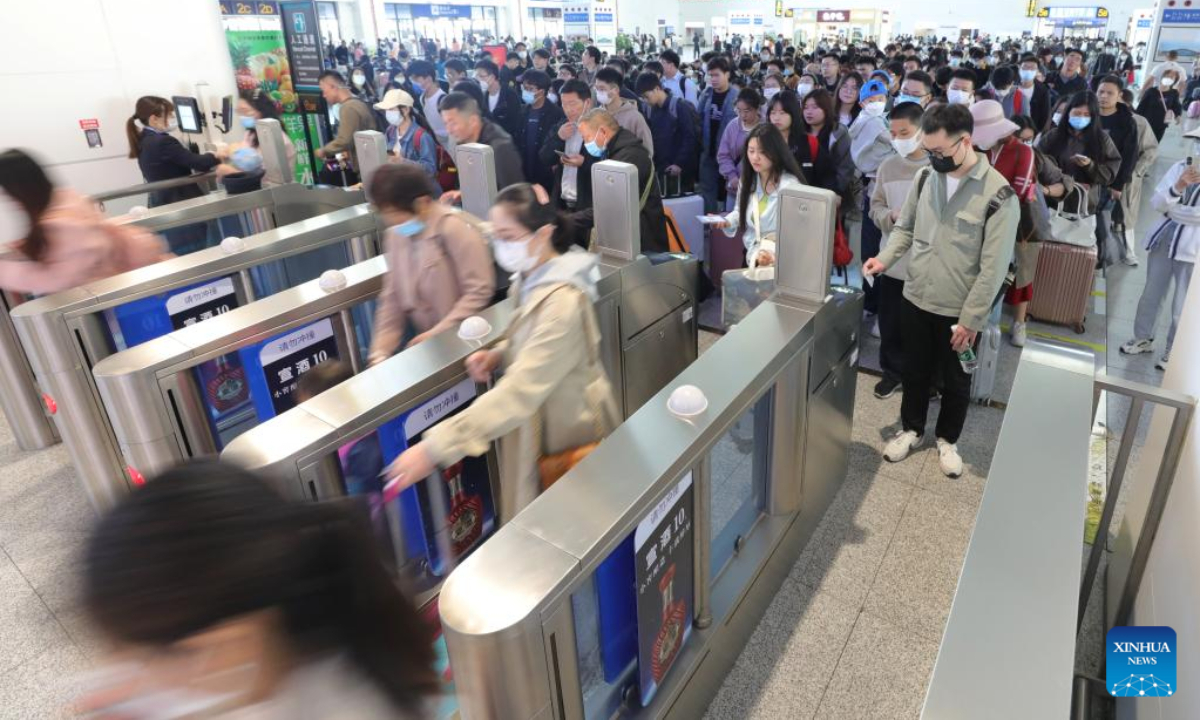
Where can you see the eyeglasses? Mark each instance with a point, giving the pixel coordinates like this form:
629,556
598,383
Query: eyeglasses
941,154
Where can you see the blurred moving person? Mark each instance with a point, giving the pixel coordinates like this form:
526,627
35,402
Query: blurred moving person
59,239
222,599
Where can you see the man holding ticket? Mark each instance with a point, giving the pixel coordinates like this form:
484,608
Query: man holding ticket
958,225
769,168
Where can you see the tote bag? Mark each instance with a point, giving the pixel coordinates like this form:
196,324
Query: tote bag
1070,223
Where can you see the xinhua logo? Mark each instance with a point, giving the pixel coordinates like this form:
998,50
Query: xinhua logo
1141,662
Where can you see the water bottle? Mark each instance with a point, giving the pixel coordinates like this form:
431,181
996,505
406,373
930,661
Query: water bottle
967,357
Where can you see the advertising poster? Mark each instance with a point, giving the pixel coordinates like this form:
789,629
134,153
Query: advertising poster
260,62
303,38
275,365
452,511
663,548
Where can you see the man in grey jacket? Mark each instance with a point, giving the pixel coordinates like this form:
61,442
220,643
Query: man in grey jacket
958,227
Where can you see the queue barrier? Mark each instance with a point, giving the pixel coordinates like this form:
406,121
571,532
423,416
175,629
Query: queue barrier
68,333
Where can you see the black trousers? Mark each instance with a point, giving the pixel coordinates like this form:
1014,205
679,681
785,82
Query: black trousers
870,240
891,331
927,353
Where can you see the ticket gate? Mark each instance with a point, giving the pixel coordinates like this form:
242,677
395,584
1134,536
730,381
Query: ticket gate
630,586
68,333
20,398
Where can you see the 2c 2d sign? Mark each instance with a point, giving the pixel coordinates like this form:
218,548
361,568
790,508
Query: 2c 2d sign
833,16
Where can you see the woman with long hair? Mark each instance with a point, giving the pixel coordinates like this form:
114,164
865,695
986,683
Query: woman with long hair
553,402
785,114
769,167
161,156
220,597
1081,148
847,106
252,106
61,239
824,154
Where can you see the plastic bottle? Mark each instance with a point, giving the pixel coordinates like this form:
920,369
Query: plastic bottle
967,357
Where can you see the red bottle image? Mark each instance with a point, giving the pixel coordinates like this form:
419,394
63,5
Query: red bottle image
465,520
670,635
224,384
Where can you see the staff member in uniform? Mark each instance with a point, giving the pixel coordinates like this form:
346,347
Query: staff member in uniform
161,156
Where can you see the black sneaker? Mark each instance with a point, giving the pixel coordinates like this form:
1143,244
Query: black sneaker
886,388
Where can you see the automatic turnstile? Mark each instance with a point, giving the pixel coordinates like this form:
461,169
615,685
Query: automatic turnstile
631,585
66,334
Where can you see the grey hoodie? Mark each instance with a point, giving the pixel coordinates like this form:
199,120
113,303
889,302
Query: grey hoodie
576,267
629,117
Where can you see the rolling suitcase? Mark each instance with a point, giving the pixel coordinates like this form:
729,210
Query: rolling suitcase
724,253
987,350
1062,285
686,212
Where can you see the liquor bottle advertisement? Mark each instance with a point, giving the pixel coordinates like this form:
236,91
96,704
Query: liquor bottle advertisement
274,366
665,585
452,511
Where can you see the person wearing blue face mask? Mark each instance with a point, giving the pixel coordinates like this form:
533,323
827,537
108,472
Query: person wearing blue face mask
604,139
408,135
1081,147
440,268
1031,96
252,106
539,118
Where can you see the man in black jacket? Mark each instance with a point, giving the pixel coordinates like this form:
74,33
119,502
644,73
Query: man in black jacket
466,124
1117,120
503,102
601,131
563,151
1069,79
1030,96
539,118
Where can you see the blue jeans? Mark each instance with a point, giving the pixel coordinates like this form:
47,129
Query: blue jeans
710,183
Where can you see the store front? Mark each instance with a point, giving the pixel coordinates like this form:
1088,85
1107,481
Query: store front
406,22
542,21
812,26
1089,22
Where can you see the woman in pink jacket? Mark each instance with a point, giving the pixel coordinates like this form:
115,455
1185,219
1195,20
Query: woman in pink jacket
61,239
440,268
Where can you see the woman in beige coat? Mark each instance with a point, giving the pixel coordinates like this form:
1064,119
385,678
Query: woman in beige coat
439,266
554,395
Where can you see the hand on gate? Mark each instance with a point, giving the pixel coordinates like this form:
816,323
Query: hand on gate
413,466
481,365
962,338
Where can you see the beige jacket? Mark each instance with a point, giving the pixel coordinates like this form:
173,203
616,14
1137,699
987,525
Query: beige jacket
435,279
554,394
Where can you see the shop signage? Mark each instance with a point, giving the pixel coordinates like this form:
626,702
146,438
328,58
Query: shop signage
833,16
1145,23
778,8
1181,17
303,38
603,17
441,11
580,18
262,7
663,548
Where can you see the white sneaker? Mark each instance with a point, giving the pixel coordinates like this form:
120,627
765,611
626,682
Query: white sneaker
1131,260
1018,334
949,459
875,329
1162,362
901,445
1137,347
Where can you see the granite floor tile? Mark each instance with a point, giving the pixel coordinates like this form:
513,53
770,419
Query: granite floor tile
786,664
43,686
882,674
27,627
916,581
850,543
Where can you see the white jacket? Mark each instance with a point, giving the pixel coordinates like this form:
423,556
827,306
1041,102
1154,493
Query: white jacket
1180,225
754,238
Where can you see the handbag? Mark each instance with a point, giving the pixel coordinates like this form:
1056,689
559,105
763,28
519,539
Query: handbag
742,290
1073,228
553,466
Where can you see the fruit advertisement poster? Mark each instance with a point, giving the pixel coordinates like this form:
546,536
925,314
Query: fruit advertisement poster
260,62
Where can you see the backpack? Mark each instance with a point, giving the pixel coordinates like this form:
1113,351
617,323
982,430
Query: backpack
447,172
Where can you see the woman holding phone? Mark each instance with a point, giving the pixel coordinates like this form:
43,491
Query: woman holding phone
1082,149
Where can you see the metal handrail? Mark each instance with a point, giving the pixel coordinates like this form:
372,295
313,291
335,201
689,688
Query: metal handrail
1184,407
145,188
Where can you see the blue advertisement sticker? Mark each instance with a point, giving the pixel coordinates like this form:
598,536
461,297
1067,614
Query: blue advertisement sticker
1141,662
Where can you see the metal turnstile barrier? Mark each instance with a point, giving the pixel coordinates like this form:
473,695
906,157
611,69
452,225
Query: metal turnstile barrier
20,399
189,393
631,585
68,333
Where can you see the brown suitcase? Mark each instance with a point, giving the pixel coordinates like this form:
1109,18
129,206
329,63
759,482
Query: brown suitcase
1062,285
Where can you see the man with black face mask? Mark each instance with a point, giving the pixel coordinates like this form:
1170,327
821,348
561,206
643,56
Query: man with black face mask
960,222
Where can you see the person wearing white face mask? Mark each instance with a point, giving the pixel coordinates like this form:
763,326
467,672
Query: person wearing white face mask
961,88
407,137
554,401
1160,104
892,183
870,145
439,268
252,106
161,156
